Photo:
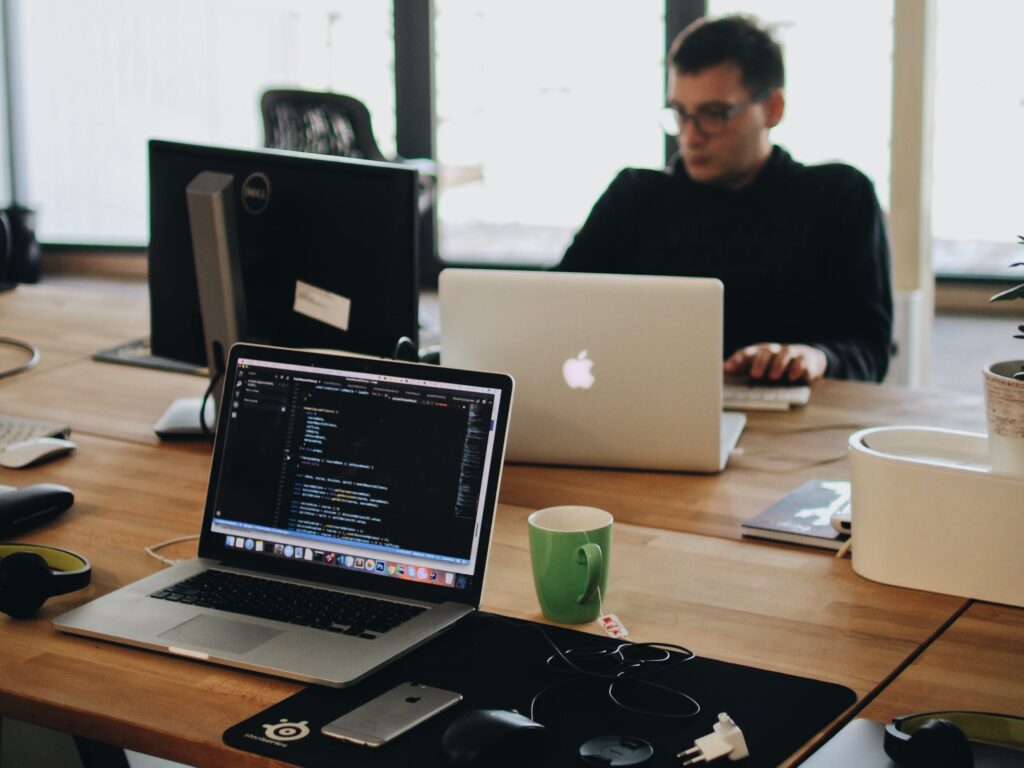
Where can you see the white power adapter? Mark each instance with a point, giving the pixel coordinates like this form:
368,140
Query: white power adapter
725,739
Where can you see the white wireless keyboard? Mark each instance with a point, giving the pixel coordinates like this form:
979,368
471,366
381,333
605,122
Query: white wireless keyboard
14,429
747,396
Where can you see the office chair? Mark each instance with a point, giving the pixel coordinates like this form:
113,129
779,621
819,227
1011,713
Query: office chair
331,124
325,123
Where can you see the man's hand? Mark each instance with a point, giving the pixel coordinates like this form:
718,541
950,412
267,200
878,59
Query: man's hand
778,362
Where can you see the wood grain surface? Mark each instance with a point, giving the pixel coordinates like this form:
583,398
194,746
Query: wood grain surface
680,571
785,609
977,664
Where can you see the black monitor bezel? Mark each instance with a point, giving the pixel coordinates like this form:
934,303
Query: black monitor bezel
211,545
174,297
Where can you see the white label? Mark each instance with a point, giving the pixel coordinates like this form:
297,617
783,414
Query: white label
327,307
610,624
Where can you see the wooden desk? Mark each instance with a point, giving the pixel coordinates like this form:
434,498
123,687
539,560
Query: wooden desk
103,399
67,324
779,453
977,664
783,608
779,608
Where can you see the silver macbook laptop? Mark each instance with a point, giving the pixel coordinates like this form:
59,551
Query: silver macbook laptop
611,370
347,521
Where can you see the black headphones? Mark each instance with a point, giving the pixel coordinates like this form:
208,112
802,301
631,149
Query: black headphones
943,739
29,574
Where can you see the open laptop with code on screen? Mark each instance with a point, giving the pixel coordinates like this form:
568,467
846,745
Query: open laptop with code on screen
347,520
611,370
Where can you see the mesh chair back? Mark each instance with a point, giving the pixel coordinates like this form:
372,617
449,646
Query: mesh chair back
324,123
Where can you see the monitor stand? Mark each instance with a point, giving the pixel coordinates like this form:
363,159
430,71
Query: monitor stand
181,419
211,217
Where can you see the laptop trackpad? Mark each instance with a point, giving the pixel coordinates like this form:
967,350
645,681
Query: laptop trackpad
221,634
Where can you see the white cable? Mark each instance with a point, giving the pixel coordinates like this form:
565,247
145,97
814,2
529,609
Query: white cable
151,551
33,353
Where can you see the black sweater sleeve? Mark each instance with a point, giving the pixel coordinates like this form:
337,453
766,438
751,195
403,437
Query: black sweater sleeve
860,296
598,245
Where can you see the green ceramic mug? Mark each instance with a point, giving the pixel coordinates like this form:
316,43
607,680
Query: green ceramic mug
571,550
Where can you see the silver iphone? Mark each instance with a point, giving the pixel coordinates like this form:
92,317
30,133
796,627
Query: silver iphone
391,714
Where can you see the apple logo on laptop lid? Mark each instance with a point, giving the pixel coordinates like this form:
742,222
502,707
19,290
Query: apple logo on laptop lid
576,371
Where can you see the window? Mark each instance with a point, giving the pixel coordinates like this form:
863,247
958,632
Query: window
977,203
539,105
191,70
838,80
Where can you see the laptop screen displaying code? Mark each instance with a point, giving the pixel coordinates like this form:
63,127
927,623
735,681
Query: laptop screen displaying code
377,473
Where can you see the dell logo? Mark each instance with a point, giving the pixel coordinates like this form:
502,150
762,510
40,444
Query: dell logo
256,193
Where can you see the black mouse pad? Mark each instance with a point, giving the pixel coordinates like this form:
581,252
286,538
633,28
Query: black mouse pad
501,663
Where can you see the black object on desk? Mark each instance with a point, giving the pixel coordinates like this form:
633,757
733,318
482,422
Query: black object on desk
493,737
860,745
25,508
498,663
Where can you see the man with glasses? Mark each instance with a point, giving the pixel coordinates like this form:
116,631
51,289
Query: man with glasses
802,250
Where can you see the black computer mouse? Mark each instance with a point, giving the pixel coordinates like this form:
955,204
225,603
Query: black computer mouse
493,737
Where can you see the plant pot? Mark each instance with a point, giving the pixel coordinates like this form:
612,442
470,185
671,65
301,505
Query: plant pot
1004,408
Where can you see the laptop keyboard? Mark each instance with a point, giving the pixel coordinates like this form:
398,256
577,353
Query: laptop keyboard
364,617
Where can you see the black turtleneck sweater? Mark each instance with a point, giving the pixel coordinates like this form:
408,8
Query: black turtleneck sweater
802,252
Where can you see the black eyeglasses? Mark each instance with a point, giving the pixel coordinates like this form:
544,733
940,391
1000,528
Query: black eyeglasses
710,121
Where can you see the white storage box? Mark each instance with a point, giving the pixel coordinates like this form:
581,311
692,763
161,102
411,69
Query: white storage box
929,513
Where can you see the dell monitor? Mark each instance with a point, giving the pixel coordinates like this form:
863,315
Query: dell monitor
327,249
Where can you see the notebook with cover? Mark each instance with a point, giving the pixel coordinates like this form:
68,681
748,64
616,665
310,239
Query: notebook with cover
611,370
371,482
804,515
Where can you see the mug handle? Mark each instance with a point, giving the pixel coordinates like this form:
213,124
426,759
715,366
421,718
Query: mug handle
590,555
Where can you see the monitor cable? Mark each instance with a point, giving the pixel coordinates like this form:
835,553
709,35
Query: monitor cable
407,350
214,380
33,353
217,370
202,404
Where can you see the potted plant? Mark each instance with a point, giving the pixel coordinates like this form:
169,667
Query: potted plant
1004,401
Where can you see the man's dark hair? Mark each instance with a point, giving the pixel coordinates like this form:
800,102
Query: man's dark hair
737,39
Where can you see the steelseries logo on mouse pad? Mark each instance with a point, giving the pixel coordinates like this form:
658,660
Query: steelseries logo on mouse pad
286,731
279,734
256,193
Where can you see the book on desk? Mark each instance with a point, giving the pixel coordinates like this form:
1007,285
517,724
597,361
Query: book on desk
804,516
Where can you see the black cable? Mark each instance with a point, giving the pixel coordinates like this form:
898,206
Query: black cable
202,403
626,662
32,351
406,349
